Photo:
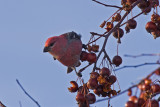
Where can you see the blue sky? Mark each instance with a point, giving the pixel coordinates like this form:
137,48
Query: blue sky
26,24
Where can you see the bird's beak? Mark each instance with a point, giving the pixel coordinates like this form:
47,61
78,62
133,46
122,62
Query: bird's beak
46,49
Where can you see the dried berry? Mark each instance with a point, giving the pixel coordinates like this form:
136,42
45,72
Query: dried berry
94,75
151,27
98,91
83,56
112,79
130,104
91,98
155,88
105,72
129,92
80,98
133,99
131,24
91,57
117,17
103,24
74,87
117,60
92,83
118,33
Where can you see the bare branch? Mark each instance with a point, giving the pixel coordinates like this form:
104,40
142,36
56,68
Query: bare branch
135,56
135,66
107,5
27,93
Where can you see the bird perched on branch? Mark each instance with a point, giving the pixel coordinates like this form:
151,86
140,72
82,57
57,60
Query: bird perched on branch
66,48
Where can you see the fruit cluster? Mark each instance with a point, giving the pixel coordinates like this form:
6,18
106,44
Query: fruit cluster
147,89
153,26
100,83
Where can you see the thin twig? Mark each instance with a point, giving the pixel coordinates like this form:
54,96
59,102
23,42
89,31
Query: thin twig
107,5
106,55
20,104
27,93
135,66
135,56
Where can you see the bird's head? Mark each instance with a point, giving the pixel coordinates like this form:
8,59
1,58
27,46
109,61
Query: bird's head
50,43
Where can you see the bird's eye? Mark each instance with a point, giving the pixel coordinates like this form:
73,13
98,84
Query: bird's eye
51,44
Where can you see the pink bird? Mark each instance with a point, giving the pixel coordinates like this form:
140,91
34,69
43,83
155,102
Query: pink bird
66,48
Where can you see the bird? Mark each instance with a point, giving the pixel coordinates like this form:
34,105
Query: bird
66,48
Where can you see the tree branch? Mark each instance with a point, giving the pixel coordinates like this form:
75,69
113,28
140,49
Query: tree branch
27,93
107,5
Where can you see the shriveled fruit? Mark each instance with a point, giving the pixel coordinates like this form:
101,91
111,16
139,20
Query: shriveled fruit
151,27
92,83
117,17
91,57
118,33
91,98
131,24
130,104
133,98
83,56
74,87
117,60
80,98
112,79
98,91
140,102
147,81
152,103
155,88
105,72
129,92
94,75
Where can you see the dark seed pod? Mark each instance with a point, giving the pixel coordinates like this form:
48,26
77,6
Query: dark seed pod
131,24
118,33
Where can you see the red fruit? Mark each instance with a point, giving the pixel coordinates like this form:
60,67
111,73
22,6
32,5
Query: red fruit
112,79
83,56
105,72
118,33
109,26
92,83
117,60
133,99
147,81
140,102
146,87
80,98
129,92
91,98
91,57
98,90
130,104
155,88
103,24
131,24
152,103
151,27
94,75
74,87
142,4
117,17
